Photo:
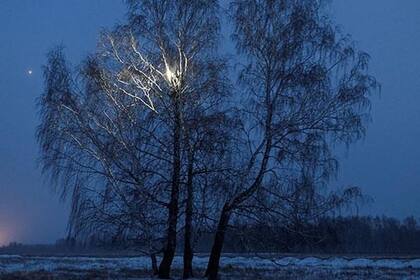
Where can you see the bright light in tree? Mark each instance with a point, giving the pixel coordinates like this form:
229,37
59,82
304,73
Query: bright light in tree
170,75
30,72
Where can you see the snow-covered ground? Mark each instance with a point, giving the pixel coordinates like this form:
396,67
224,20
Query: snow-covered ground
278,268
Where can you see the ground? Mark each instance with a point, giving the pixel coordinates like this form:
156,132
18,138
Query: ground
233,267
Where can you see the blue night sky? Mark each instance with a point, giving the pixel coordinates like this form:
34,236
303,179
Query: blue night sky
385,164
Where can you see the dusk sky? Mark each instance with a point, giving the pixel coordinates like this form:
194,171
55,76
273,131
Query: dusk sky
386,164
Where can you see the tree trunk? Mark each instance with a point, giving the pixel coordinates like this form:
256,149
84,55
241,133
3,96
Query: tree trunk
188,251
169,250
216,251
154,264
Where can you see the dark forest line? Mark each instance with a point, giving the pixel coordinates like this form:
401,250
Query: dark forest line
356,235
339,235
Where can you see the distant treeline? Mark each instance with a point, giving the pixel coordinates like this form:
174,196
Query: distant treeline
338,235
348,235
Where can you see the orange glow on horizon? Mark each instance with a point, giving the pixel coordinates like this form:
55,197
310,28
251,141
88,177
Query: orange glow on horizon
1,239
4,238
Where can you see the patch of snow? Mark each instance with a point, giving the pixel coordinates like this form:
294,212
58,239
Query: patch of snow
10,256
14,263
310,261
360,263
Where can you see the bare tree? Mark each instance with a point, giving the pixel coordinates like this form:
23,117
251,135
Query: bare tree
125,131
148,132
181,33
101,150
307,87
206,137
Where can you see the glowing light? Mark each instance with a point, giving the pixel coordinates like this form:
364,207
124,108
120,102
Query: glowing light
30,72
170,75
2,239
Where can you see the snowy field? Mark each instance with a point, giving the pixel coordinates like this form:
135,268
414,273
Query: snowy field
233,267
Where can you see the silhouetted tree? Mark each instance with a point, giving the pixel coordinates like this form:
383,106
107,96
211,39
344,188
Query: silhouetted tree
152,102
149,129
307,88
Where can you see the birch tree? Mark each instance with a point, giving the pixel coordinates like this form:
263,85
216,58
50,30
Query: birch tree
142,89
150,130
307,89
179,34
99,150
